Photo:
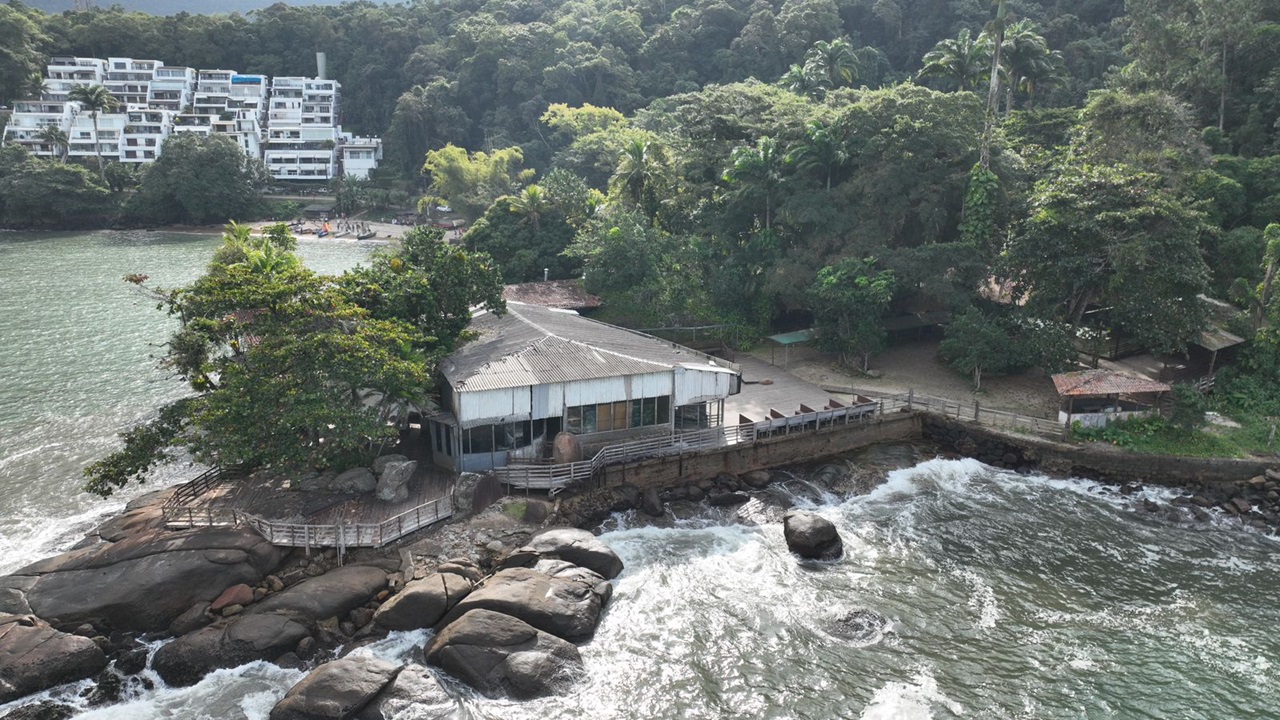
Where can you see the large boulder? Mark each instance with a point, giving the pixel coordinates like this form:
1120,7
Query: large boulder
498,655
580,548
140,583
415,693
380,463
226,644
423,602
567,607
336,690
811,536
393,481
35,657
355,480
333,594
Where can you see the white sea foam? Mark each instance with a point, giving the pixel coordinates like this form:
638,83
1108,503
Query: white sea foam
914,700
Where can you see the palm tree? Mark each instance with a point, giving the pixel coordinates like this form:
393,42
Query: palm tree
800,80
962,60
757,171
823,150
1022,50
95,99
639,172
57,138
834,62
994,30
1046,71
532,202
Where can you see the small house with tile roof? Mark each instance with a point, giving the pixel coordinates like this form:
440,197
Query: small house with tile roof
534,372
1095,398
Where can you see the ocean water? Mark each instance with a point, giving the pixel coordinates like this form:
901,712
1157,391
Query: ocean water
965,591
78,352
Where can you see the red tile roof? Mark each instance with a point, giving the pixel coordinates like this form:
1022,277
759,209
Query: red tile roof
1104,382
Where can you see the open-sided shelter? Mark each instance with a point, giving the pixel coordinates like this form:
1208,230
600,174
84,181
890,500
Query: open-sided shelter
1095,398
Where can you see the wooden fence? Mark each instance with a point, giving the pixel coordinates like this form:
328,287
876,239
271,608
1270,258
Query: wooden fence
181,511
974,412
555,477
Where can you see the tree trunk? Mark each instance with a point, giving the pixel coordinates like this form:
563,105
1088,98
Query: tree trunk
993,96
97,146
1264,298
1222,95
977,378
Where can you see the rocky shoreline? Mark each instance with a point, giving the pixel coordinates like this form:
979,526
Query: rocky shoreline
508,592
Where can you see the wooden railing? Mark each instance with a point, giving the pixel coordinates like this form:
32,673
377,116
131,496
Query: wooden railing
555,477
179,511
974,412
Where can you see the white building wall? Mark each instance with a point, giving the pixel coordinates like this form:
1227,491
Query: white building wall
486,407
696,386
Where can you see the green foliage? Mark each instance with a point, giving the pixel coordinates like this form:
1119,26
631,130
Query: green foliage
529,233
849,300
472,181
294,370
1157,436
199,179
37,193
21,37
978,225
977,343
1189,407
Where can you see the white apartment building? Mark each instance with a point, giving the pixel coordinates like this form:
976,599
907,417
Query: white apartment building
292,123
302,129
173,88
360,155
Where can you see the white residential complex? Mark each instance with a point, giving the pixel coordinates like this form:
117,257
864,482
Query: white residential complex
292,123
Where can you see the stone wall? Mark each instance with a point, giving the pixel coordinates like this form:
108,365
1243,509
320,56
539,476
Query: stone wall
675,470
1101,462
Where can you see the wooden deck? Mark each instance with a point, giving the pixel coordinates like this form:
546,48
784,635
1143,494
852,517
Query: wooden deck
785,393
311,519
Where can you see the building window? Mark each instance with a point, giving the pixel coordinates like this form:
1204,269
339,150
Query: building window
607,417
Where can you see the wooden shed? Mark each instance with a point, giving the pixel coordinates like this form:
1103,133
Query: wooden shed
1095,398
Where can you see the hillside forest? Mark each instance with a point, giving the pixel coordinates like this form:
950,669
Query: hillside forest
1050,174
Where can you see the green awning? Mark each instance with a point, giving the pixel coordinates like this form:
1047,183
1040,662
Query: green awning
792,338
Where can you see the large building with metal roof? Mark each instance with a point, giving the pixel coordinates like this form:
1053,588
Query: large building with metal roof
535,372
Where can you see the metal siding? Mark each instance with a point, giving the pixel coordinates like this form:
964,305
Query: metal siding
693,386
651,385
590,392
548,401
493,405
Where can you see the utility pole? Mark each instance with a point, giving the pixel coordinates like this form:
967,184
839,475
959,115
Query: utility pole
83,5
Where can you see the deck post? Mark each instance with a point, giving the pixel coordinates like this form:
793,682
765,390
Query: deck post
911,392
976,411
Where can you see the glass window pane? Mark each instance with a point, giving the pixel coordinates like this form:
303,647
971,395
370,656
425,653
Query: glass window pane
589,424
648,416
664,409
637,414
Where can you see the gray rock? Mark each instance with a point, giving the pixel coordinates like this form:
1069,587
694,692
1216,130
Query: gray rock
466,570
332,594
499,655
336,690
757,478
140,583
811,536
580,548
47,710
422,603
415,693
393,482
651,503
695,493
196,617
355,480
226,644
380,463
566,607
35,657
723,499
464,490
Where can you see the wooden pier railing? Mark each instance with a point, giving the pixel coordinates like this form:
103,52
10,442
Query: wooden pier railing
555,477
182,510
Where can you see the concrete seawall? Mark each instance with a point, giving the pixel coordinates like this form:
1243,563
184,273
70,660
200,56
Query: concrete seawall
675,470
1095,461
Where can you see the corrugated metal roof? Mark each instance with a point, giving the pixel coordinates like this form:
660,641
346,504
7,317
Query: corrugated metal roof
1104,382
532,345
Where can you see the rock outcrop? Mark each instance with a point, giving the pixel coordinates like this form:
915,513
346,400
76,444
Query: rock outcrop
580,548
501,655
566,606
422,603
393,480
336,690
811,536
227,644
415,693
332,594
35,657
141,582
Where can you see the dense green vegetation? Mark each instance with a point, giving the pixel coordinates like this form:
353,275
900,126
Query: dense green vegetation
293,369
1044,171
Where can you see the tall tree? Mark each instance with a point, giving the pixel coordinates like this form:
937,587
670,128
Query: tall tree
961,61
472,181
642,170
756,174
995,30
95,99
823,149
57,139
849,301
